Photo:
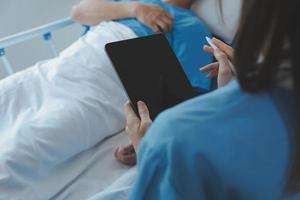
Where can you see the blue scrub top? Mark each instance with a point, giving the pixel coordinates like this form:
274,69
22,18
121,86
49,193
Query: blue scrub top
224,145
187,38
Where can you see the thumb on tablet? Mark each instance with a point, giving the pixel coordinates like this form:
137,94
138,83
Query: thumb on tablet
144,114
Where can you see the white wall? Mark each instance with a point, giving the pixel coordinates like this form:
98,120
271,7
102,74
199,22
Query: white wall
222,26
20,15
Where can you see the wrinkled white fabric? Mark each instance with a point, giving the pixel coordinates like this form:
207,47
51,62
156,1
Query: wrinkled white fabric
55,110
120,189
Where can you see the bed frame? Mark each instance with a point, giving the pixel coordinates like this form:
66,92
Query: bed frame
45,31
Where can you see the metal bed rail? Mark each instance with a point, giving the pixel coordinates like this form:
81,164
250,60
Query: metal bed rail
45,31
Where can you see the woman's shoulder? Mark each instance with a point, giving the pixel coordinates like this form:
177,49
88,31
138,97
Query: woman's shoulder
228,111
228,107
236,132
221,120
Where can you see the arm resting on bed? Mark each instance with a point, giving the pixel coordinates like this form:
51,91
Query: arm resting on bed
92,12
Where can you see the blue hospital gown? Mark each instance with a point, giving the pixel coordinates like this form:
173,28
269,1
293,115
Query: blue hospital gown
187,38
225,145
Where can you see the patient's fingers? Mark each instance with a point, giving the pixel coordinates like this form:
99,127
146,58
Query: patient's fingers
164,22
168,22
210,67
164,26
155,28
168,19
169,16
144,114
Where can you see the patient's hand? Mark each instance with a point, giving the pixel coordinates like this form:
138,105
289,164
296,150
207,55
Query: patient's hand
126,155
221,68
154,17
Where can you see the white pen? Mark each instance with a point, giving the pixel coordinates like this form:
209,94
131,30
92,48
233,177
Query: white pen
210,42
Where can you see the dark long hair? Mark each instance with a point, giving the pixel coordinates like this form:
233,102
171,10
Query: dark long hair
271,28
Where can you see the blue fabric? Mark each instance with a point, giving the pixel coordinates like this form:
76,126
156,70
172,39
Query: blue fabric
224,145
186,38
295,197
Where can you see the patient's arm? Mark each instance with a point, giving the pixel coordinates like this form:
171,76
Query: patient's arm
92,12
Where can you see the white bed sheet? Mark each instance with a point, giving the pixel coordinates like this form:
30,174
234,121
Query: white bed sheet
101,177
55,110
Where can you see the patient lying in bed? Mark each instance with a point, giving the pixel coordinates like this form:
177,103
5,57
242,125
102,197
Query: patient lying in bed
147,19
58,108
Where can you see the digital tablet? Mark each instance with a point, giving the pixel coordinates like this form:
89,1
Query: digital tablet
150,71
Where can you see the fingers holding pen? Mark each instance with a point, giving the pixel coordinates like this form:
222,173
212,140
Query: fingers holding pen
223,68
228,50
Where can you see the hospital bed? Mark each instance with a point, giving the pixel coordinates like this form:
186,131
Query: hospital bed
206,10
100,172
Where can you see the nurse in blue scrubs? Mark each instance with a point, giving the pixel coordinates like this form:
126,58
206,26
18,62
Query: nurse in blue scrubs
241,141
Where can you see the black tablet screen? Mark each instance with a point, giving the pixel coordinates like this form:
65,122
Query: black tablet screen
150,72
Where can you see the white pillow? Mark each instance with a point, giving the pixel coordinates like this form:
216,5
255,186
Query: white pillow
209,12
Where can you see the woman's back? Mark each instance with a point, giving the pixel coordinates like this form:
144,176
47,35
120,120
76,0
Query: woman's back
233,143
225,145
